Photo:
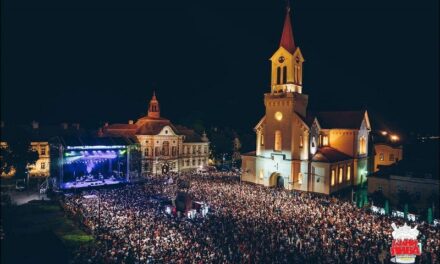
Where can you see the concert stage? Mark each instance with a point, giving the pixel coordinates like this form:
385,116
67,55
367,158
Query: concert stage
87,162
93,183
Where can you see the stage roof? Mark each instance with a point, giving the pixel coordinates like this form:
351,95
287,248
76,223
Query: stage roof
70,141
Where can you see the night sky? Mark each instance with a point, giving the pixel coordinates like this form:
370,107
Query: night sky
93,62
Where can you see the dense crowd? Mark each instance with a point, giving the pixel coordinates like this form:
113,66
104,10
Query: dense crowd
246,224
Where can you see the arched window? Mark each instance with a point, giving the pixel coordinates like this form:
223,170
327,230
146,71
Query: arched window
325,140
278,139
300,141
166,148
348,173
278,75
341,172
156,151
262,139
332,180
362,145
284,74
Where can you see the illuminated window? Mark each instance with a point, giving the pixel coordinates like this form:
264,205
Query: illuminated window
278,116
278,75
262,139
166,148
348,173
300,141
381,158
43,150
261,174
284,75
325,141
362,145
332,181
43,165
278,140
320,140
341,171
300,178
391,157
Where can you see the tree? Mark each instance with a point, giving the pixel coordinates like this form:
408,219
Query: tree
18,154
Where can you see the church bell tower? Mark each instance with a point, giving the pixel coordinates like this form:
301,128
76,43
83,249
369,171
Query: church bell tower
153,109
287,62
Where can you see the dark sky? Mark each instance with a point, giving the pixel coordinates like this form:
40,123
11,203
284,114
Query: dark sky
90,62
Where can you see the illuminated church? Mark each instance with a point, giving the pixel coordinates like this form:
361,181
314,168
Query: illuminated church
321,152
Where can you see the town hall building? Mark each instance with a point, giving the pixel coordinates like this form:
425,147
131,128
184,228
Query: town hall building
296,149
164,146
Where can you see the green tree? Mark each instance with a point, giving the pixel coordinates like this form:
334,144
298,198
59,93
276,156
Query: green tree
18,154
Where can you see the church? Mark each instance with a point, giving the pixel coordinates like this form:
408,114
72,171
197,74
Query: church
164,146
322,152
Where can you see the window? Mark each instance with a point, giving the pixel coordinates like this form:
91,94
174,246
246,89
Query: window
43,165
194,162
300,141
262,139
381,158
300,178
325,140
379,188
194,149
348,173
278,140
320,140
362,145
156,151
145,166
341,172
332,181
173,150
391,157
313,142
146,152
284,74
187,162
205,150
199,149
43,150
261,174
166,148
199,162
278,75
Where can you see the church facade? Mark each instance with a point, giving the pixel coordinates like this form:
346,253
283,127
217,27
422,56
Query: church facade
296,149
164,146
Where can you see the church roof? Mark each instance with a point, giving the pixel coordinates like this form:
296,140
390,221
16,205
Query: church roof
340,119
329,154
287,41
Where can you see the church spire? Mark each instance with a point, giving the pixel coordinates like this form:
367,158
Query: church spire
287,41
154,110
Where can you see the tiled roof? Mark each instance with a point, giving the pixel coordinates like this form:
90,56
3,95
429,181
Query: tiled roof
340,119
190,134
330,155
